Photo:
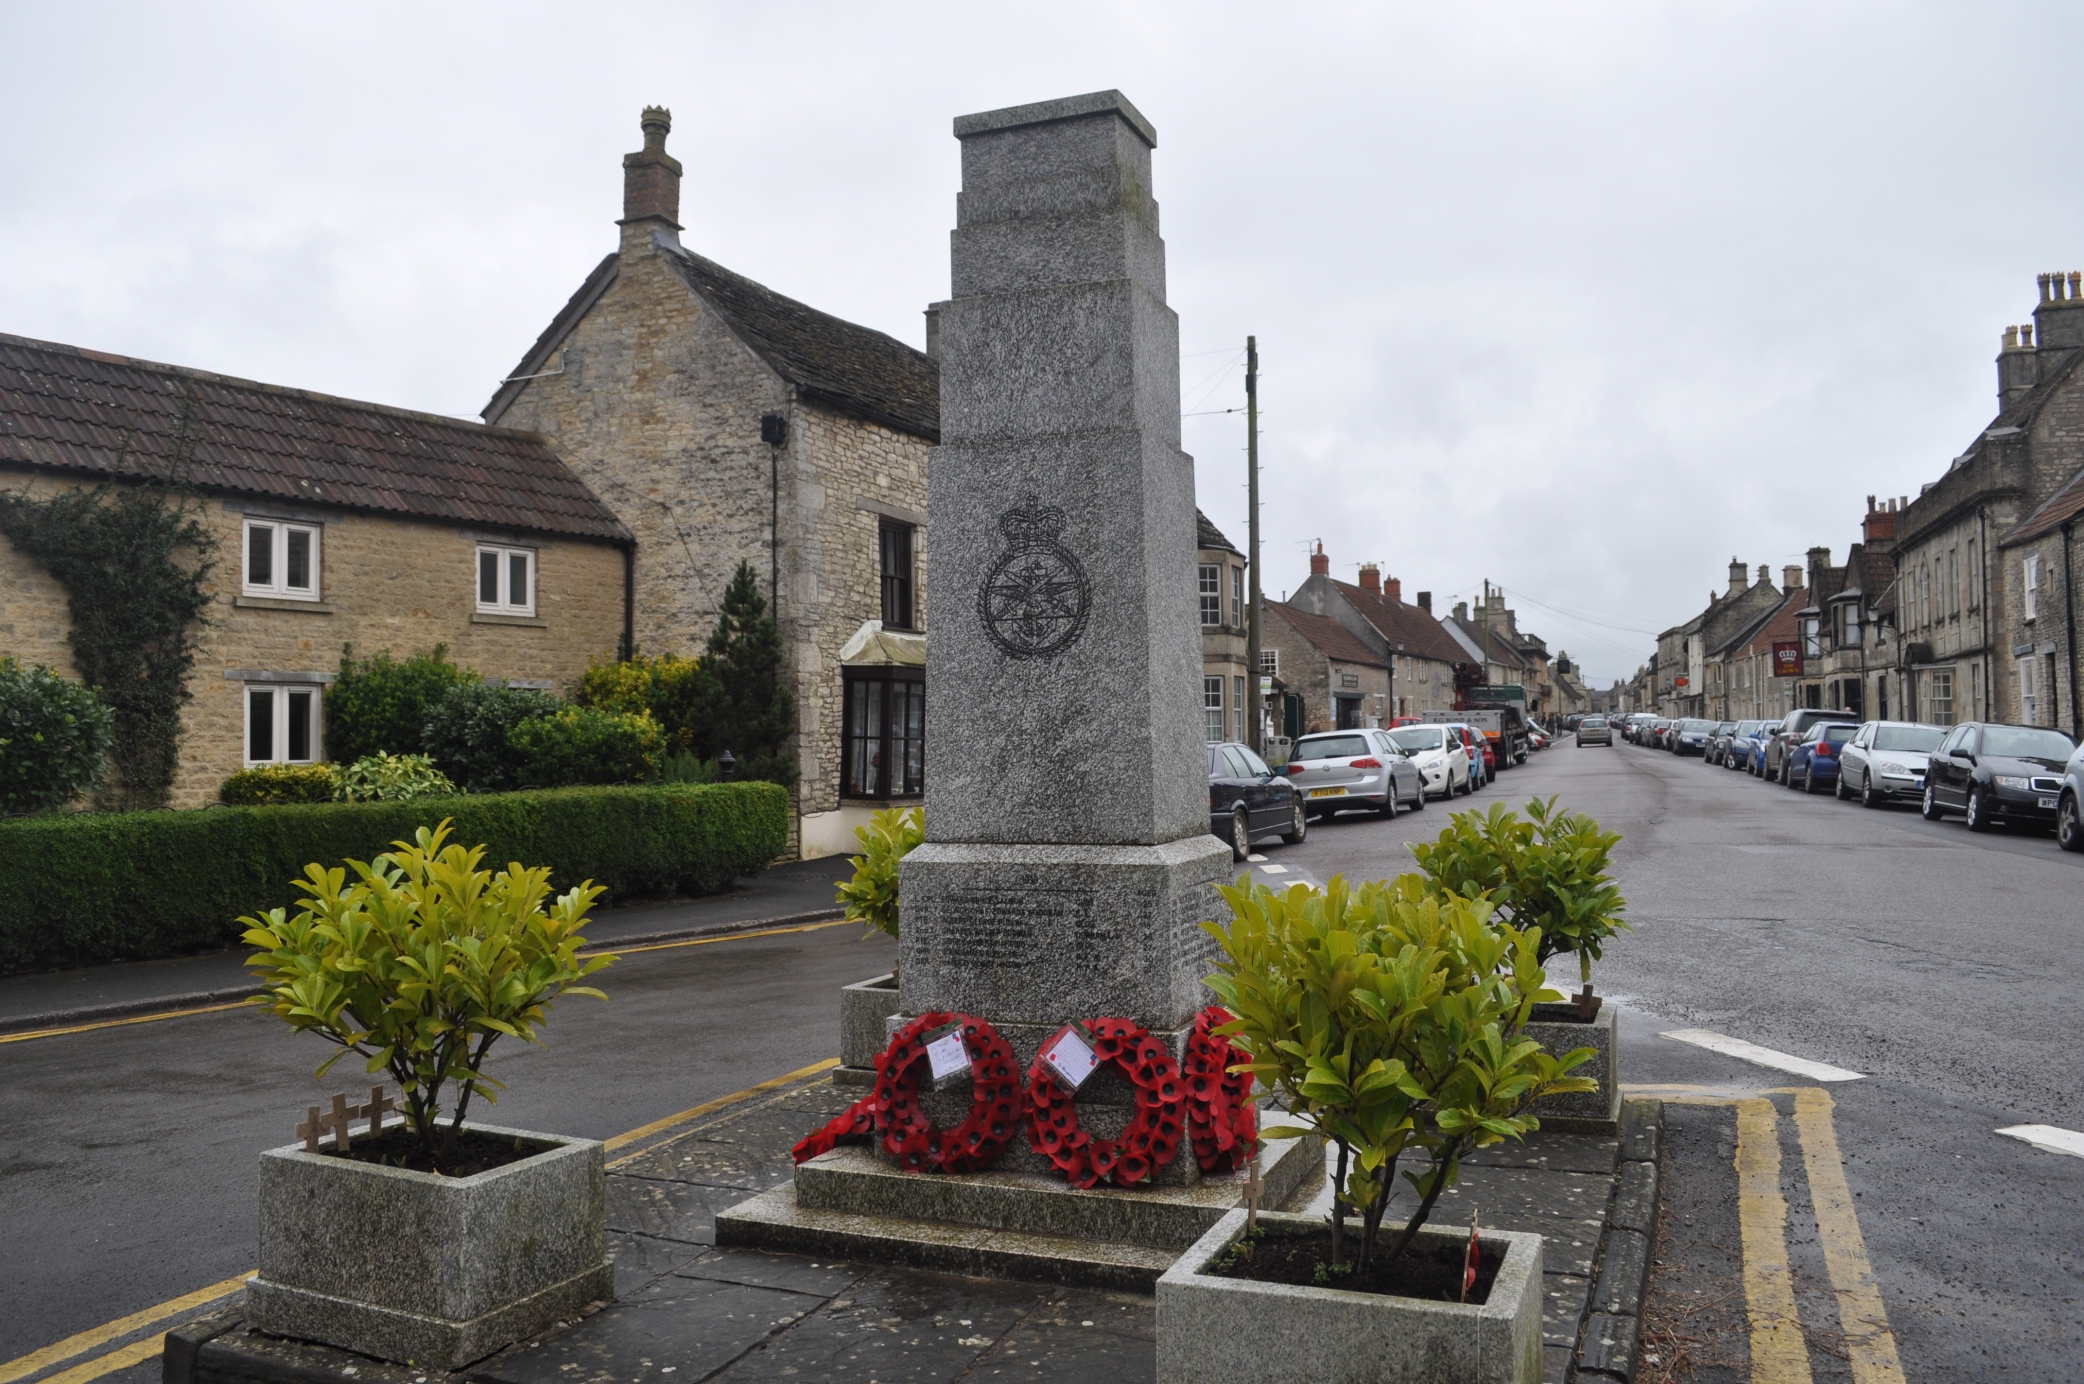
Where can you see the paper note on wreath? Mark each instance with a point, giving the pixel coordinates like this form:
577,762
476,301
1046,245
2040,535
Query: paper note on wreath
947,1056
1069,1056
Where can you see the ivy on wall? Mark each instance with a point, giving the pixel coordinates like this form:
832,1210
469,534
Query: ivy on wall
135,561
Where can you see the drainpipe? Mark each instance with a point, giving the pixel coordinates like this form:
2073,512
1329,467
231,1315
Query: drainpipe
2069,627
1982,615
629,601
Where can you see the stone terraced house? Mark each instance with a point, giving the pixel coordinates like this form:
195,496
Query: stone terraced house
725,423
1418,653
335,521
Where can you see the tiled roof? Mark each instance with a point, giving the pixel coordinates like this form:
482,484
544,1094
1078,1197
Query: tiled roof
1781,625
862,371
1210,536
2061,507
1330,638
68,409
1418,632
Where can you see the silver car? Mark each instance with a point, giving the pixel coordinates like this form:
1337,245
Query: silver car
1343,769
1885,760
1593,730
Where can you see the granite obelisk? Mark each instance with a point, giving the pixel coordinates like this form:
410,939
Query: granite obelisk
1067,864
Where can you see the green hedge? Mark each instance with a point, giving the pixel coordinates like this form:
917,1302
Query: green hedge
91,887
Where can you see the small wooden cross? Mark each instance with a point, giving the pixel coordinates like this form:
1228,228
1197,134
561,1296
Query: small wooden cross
1587,1003
379,1106
337,1121
312,1127
1253,1187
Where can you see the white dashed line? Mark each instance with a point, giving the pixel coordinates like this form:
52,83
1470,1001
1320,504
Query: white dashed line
1273,869
1764,1057
1256,859
2048,1137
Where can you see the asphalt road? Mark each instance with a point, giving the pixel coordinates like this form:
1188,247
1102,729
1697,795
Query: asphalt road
1939,963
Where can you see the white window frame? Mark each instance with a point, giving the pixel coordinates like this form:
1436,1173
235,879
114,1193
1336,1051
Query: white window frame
2031,569
2029,704
1237,596
280,701
1939,697
1212,705
1269,663
1211,582
1243,706
505,604
277,587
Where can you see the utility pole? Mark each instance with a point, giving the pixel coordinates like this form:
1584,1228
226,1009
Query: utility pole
1255,734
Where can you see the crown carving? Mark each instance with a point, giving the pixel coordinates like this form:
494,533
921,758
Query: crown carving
1032,522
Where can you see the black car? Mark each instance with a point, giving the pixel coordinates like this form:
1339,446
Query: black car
1993,773
2069,805
1794,729
1247,799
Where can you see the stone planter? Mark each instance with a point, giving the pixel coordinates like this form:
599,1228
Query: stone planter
433,1271
1587,1112
1212,1328
864,1028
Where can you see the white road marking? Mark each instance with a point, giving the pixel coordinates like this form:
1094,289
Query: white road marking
1273,869
1764,1057
2048,1137
1256,859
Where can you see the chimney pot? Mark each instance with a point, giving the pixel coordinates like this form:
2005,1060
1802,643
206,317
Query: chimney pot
2076,283
1371,578
2042,279
2026,336
651,179
1320,565
1394,589
2011,338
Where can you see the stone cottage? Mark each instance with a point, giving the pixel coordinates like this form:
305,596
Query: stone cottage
1334,679
1417,652
724,423
335,522
2040,613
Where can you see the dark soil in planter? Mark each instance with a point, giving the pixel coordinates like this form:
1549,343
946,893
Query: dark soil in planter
473,1152
1561,1014
1427,1270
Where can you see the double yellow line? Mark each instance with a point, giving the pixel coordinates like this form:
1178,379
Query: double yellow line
124,1357
1779,1348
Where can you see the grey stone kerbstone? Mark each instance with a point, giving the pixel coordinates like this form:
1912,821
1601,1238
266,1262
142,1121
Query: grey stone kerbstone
864,1012
1610,1346
1642,1126
1623,1271
437,1270
1588,1111
1275,1333
1635,1199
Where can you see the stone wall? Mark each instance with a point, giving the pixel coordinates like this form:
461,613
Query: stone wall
398,584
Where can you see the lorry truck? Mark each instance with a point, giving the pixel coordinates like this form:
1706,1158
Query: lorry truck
1499,711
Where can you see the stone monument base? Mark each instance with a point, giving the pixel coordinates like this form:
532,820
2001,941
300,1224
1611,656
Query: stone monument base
849,1204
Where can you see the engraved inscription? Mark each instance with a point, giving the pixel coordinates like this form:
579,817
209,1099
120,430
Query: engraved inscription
1036,597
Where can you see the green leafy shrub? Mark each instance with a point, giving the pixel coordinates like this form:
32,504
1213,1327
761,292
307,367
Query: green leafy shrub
379,705
421,964
391,778
54,738
871,895
270,784
1547,871
678,693
467,733
686,768
1387,1016
88,887
581,745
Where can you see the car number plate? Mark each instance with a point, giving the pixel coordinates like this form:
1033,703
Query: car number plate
2048,803
1327,792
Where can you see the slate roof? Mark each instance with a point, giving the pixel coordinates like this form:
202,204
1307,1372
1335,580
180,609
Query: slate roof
1779,625
1328,636
2058,509
1209,536
92,414
1418,632
841,363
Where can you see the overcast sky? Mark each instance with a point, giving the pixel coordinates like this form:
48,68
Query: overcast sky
1582,299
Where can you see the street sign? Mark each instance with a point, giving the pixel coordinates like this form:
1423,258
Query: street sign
1787,658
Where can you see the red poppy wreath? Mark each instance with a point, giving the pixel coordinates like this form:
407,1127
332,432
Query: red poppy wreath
1221,1119
892,1108
1152,1137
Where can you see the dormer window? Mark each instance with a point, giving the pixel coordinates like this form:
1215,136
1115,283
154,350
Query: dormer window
281,560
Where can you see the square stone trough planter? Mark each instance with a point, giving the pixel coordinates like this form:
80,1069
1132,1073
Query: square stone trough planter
1212,1328
427,1270
864,1028
1556,1028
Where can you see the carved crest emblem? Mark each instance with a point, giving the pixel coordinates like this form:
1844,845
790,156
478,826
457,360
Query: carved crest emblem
1035,598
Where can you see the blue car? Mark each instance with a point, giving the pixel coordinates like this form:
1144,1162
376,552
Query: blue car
1745,751
1812,765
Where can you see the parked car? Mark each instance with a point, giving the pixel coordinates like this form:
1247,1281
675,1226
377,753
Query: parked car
1794,728
1690,736
1752,748
1594,730
2069,806
1718,742
1246,799
1887,760
1343,769
1537,738
1652,737
1992,773
1439,757
1483,762
1738,731
1815,760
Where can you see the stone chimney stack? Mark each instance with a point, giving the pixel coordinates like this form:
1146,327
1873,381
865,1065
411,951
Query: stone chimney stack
1320,565
1790,578
1765,575
650,184
1461,610
2018,363
1394,589
1371,578
1739,577
1425,602
1819,572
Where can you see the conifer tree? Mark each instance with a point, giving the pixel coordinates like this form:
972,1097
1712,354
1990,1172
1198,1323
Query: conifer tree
754,708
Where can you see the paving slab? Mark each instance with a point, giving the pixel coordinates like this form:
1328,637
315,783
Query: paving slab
677,1325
